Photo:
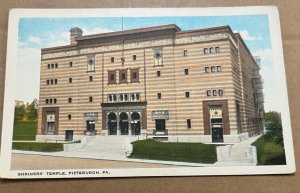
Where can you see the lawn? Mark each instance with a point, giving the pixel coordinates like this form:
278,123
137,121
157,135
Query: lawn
38,146
269,153
172,151
24,130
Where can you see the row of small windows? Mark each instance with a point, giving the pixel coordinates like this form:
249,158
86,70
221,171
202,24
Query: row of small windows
211,50
51,101
212,69
54,101
214,93
52,65
51,81
124,97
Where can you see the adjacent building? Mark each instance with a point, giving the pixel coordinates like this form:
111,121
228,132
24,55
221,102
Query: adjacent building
197,85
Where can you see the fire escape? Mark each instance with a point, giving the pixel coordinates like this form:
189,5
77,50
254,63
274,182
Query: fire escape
257,84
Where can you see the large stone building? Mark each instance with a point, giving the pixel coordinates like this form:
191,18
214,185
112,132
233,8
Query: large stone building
196,85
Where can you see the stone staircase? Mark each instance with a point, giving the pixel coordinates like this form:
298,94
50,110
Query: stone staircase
236,155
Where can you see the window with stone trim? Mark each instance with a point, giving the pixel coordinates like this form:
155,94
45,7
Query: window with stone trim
70,80
91,78
90,99
112,77
47,101
134,75
215,93
70,100
206,69
219,69
123,76
70,64
69,117
112,59
133,57
49,65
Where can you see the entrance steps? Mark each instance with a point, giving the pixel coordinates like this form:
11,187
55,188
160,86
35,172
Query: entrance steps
236,155
104,144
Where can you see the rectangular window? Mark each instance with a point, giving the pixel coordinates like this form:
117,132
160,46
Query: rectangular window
49,66
214,92
206,69
186,71
208,93
213,69
54,101
134,73
47,101
69,117
50,101
52,65
217,49
134,57
187,94
55,81
206,51
91,78
211,50
112,77
157,73
51,81
70,100
219,68
56,65
158,95
189,123
48,81
184,52
123,76
220,92
122,60
71,64
90,99
112,59
70,80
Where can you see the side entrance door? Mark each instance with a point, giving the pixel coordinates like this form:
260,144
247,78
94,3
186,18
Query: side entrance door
217,133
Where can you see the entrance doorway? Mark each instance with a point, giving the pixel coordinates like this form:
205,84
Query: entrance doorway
160,125
217,133
50,128
112,124
90,126
135,124
124,123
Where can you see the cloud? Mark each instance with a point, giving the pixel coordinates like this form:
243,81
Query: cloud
34,39
247,37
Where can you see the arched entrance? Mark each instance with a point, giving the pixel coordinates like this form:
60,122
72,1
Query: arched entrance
124,123
135,123
112,124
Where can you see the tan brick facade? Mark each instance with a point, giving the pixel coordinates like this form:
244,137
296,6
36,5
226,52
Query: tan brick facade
124,72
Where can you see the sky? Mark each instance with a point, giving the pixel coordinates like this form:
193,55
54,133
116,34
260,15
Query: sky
37,33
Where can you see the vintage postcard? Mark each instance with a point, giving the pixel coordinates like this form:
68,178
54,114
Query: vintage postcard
145,92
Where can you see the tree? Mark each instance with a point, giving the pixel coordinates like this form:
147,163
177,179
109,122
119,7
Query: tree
31,112
20,113
274,126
